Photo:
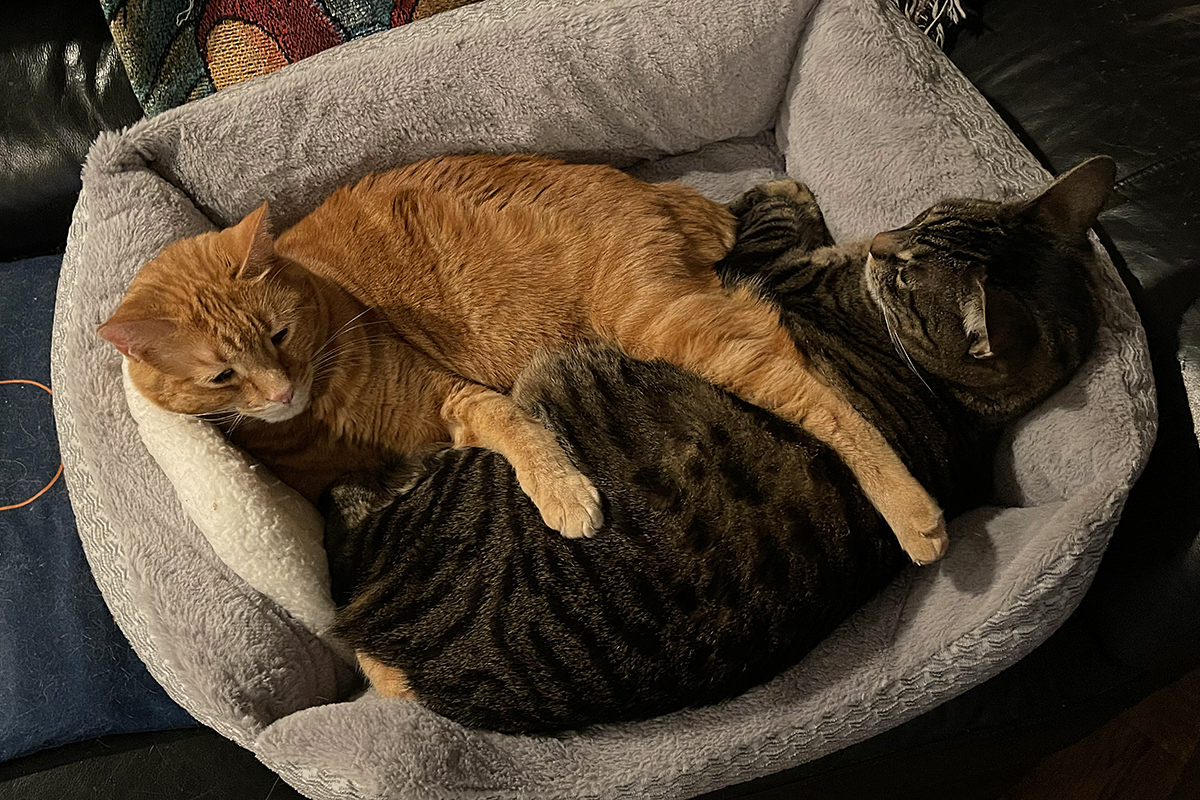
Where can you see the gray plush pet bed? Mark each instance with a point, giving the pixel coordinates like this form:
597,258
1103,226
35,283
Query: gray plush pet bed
842,94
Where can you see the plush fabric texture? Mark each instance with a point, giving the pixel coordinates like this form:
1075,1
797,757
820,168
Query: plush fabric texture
843,94
68,672
176,52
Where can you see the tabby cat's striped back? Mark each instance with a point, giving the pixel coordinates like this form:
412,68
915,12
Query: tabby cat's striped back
728,554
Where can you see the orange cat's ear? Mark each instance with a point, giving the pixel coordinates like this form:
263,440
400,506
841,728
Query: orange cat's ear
136,338
252,239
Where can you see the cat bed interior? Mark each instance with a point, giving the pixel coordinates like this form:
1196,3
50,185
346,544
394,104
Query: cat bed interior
213,570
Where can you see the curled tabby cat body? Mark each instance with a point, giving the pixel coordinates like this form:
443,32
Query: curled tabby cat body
401,310
736,541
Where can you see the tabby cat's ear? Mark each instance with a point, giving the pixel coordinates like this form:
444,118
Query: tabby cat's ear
252,239
1070,204
974,311
997,326
136,338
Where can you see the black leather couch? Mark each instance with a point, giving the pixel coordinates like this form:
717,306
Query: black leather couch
61,83
1073,78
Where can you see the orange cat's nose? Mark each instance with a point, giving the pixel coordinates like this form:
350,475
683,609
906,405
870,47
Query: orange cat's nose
283,395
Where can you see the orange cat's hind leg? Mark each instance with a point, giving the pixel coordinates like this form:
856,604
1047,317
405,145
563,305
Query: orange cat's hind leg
388,681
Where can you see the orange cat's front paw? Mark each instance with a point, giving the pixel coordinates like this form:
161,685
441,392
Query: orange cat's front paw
926,544
568,502
916,520
915,517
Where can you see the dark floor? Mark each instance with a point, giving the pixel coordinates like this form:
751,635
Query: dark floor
1150,752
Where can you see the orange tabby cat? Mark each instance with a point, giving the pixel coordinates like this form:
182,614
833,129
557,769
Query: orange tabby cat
399,312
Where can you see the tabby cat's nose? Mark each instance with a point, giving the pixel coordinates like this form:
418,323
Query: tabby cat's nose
885,244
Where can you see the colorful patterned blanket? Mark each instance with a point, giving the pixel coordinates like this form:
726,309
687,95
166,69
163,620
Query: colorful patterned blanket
186,49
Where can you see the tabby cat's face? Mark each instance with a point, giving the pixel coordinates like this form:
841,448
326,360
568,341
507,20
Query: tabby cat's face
931,280
977,291
213,326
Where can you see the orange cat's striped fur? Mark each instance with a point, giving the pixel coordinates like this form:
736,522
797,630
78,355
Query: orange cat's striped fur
400,311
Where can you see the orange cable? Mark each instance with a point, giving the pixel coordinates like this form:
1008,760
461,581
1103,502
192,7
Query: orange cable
53,480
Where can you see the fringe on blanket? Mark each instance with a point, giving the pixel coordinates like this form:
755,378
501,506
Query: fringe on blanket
939,19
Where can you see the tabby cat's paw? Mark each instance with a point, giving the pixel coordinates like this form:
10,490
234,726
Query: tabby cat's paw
794,190
568,502
786,188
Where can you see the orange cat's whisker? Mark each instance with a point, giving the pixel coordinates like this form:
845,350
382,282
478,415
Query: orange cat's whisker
339,331
355,347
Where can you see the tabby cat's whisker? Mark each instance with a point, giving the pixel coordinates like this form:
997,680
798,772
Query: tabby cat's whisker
901,349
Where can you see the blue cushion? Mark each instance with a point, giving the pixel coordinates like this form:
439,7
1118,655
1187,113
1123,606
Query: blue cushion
68,672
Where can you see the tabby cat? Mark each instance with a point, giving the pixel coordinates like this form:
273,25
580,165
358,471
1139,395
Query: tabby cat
736,541
401,310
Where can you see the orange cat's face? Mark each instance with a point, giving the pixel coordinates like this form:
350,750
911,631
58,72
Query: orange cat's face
217,325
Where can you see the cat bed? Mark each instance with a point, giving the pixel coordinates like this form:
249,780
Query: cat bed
212,569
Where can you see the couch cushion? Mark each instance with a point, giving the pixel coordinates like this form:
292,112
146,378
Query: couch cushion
68,672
